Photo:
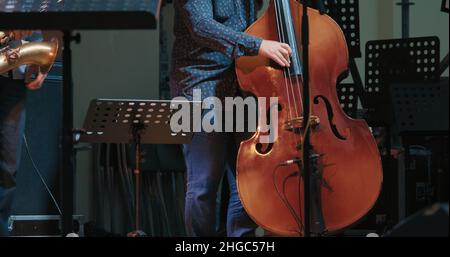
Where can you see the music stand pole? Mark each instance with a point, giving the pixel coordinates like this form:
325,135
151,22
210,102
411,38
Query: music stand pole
67,144
137,128
405,4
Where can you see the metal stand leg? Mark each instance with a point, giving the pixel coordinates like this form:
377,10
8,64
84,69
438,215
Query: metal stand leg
137,175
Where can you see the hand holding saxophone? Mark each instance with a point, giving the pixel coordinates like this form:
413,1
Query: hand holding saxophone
9,35
34,71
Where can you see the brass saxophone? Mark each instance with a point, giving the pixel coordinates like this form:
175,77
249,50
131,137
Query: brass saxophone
42,54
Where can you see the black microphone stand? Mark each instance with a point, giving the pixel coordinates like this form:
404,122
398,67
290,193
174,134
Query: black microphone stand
306,113
307,148
67,137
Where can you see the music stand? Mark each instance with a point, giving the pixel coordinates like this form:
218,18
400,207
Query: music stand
79,14
421,108
133,122
411,60
346,14
348,97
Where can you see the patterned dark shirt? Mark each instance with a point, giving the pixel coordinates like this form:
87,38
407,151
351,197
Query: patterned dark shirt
209,37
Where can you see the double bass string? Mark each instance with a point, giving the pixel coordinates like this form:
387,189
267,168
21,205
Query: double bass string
308,121
280,36
291,84
298,83
290,91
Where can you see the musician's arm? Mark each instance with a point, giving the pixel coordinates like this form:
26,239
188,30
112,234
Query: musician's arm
198,17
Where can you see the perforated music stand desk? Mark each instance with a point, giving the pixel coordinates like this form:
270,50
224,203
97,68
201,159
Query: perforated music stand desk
79,14
113,121
67,16
134,122
421,108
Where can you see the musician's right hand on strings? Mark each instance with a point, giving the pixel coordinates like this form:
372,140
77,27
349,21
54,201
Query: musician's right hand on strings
278,52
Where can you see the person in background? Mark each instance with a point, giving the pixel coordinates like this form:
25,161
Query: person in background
209,38
13,88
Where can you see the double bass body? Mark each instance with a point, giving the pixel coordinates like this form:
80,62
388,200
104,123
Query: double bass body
348,172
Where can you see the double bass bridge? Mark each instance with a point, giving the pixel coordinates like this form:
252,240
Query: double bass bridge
297,125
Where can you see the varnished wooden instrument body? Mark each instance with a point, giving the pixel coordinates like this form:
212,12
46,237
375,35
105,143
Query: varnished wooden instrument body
350,162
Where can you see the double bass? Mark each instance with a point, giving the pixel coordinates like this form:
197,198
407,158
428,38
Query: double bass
346,172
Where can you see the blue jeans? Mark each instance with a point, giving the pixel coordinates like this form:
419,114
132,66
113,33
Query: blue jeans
12,125
208,158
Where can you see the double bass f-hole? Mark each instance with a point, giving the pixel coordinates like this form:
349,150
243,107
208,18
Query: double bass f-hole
330,113
266,148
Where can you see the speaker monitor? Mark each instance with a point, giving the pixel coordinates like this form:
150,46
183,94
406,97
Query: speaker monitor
430,222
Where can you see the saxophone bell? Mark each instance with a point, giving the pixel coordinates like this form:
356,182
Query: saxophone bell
42,54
